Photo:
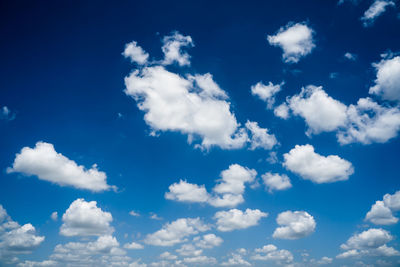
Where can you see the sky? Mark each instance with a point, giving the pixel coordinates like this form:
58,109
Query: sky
200,133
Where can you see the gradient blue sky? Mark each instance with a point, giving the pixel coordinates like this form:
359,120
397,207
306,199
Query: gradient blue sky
62,80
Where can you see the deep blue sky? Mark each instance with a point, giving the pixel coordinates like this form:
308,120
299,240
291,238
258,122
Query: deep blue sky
62,75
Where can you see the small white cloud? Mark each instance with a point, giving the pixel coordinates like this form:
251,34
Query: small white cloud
168,256
189,250
377,8
186,192
296,41
208,241
200,260
350,56
387,83
85,219
54,216
44,162
133,245
272,253
134,213
266,92
135,53
173,49
236,260
154,216
275,181
236,219
260,138
294,225
303,161
272,158
282,111
6,114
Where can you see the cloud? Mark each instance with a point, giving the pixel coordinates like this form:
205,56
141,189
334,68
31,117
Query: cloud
266,92
271,253
296,41
173,103
350,56
208,241
134,213
282,111
377,8
44,162
16,239
133,245
236,219
168,256
275,181
260,138
201,260
6,114
176,232
319,169
135,53
172,49
54,216
294,225
189,250
382,211
85,219
236,260
228,192
387,83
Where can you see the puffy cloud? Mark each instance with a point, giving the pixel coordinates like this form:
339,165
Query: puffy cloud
135,53
233,179
296,41
44,162
208,241
85,219
271,253
392,201
321,112
303,161
236,219
168,256
133,245
54,216
176,232
236,260
350,56
173,103
226,200
282,111
377,8
172,49
6,114
186,192
200,260
260,138
189,250
387,83
295,225
16,239
382,211
266,92
275,181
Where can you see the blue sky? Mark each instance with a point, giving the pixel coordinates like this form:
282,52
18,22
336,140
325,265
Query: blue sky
200,134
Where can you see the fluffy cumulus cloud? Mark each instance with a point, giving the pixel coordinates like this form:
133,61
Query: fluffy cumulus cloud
266,92
236,259
387,83
276,182
44,162
260,138
273,254
208,241
135,53
382,211
282,111
312,166
296,41
294,225
173,49
176,232
16,239
236,219
228,192
84,218
371,242
377,8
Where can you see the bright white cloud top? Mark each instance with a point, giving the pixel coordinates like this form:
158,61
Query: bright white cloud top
387,83
173,49
294,225
235,219
44,162
319,169
377,8
276,182
266,92
135,53
296,41
260,137
381,212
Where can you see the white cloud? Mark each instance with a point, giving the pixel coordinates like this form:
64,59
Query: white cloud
6,114
85,219
303,161
134,213
176,232
236,260
208,241
275,181
350,56
16,239
233,179
236,219
173,103
200,260
168,256
54,216
172,49
377,8
44,162
282,111
260,138
133,245
226,200
272,253
321,112
294,225
135,53
382,211
189,250
186,192
296,41
387,83
392,201
266,92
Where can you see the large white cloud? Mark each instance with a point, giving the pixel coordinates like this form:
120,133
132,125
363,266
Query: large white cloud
296,41
176,232
294,225
303,161
44,162
375,10
266,92
135,53
16,239
84,218
275,181
387,83
382,211
272,253
260,138
173,49
236,219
